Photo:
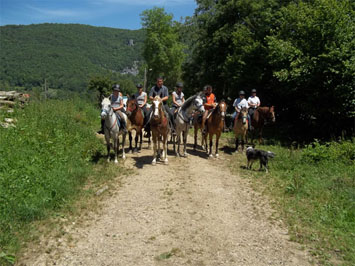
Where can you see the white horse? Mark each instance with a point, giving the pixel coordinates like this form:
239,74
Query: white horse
111,129
182,121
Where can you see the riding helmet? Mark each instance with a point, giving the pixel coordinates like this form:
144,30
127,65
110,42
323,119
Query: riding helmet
116,87
253,90
139,85
242,93
179,85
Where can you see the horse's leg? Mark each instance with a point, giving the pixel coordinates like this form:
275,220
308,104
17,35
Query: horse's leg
211,143
140,139
116,142
217,140
130,141
154,138
165,149
261,135
236,143
159,150
174,144
195,137
185,141
136,140
242,144
108,146
123,144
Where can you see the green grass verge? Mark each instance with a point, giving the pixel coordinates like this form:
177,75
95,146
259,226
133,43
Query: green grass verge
44,163
314,190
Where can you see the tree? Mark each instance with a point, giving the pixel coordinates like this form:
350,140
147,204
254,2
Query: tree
163,52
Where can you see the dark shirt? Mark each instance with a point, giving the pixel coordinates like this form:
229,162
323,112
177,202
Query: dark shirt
161,92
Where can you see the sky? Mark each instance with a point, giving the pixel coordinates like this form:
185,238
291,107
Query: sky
124,14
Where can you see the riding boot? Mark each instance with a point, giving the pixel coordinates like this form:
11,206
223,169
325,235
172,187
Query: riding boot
124,126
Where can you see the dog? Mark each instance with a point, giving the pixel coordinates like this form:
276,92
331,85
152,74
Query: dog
263,156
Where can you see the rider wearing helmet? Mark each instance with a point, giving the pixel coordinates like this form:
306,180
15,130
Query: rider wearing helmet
209,102
178,97
141,98
238,104
117,104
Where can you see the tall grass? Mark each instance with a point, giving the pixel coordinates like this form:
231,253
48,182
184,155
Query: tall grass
43,162
314,189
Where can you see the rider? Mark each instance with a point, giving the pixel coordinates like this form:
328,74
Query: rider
238,104
209,102
178,97
162,91
141,97
253,102
117,105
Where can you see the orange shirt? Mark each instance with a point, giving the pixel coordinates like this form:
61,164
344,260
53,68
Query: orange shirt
210,99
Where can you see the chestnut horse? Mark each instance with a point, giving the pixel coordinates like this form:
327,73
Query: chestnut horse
240,128
159,125
197,122
215,125
135,122
261,114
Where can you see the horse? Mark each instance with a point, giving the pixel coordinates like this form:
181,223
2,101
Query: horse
240,128
197,122
182,121
215,125
112,129
261,114
135,122
159,125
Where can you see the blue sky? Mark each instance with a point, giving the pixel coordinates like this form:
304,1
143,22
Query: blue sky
122,14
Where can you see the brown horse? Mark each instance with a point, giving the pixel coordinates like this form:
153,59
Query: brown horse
215,125
262,114
241,128
159,125
135,122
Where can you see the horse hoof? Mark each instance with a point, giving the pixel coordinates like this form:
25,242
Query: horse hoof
135,151
116,162
154,162
210,156
124,157
166,161
185,155
217,155
130,151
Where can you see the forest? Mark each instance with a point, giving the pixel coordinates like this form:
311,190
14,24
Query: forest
65,56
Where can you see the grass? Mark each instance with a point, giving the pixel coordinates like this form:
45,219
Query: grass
314,190
45,163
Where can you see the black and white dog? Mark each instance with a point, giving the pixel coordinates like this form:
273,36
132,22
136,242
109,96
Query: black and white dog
262,156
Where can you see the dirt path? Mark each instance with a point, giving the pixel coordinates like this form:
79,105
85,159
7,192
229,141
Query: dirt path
191,212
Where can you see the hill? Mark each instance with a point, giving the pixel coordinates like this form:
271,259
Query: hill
66,55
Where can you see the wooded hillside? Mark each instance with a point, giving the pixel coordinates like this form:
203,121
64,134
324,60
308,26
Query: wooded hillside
67,55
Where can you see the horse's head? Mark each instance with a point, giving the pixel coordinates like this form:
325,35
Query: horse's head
156,107
198,103
105,108
222,107
272,114
132,105
244,115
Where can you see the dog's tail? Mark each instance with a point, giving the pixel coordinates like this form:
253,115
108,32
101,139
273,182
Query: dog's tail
270,154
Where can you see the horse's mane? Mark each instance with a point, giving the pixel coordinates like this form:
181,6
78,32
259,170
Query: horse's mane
188,102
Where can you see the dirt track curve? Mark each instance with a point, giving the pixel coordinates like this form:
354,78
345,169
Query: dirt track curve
193,211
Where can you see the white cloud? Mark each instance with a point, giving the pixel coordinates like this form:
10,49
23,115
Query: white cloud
147,2
57,13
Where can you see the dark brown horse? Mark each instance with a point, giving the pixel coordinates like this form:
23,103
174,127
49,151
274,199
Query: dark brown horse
159,125
261,114
215,124
135,122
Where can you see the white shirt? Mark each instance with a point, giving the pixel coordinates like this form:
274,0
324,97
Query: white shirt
254,100
240,103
